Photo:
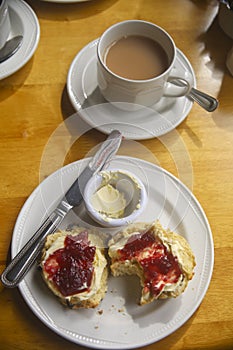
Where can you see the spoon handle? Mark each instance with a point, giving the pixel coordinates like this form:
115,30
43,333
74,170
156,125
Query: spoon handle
207,102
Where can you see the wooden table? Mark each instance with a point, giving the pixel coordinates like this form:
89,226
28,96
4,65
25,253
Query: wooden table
34,102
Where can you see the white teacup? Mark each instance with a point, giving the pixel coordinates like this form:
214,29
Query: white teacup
143,92
5,26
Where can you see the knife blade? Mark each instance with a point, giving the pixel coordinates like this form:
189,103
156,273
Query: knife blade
23,261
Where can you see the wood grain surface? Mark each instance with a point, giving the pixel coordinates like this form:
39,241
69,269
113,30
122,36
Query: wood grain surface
34,102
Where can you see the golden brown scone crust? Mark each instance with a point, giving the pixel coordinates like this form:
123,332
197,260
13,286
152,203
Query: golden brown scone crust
97,240
175,243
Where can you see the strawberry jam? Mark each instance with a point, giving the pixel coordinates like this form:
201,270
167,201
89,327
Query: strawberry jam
71,268
159,265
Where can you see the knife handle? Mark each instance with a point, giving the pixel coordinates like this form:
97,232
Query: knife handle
22,262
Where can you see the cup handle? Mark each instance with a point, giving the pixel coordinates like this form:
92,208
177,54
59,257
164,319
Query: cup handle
173,90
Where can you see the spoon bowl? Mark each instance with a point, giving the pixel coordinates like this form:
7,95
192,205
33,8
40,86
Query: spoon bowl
11,46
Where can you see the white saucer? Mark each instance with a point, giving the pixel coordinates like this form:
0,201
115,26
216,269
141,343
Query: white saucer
24,22
146,123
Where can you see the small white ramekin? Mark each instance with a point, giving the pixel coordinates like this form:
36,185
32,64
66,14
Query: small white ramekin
127,183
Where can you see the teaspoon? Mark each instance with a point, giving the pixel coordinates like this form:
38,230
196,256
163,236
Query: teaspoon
206,101
10,47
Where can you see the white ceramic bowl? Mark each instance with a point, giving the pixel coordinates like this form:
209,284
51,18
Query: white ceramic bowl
127,183
225,20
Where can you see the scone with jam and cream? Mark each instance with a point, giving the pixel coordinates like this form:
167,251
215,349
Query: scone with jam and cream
163,260
75,268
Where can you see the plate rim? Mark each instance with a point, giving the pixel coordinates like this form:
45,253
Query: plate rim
99,344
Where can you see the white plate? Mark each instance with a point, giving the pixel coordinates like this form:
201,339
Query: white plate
119,323
24,22
146,123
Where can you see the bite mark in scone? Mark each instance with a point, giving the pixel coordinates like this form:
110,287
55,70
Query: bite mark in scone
163,260
75,268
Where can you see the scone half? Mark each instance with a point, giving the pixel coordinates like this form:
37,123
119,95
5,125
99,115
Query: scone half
162,259
74,267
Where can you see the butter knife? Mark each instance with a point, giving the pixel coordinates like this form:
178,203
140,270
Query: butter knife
22,262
